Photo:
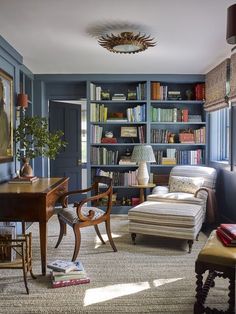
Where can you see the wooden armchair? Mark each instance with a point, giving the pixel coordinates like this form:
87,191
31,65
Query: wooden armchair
23,249
81,216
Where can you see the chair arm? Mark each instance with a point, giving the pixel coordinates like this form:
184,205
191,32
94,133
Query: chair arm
89,199
203,188
64,197
211,205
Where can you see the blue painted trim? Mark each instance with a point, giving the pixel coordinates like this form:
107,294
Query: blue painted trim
10,50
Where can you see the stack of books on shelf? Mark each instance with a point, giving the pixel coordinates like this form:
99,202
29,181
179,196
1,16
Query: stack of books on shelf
126,160
65,273
29,179
174,95
227,234
108,140
120,178
117,97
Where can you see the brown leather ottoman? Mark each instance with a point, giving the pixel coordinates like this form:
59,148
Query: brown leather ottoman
219,261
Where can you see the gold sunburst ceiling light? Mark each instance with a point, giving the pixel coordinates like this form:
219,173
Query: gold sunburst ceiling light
126,42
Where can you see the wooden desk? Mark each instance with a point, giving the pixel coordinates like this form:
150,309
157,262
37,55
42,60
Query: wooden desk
33,202
141,188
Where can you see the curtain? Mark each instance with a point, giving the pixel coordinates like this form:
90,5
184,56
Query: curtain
216,87
232,95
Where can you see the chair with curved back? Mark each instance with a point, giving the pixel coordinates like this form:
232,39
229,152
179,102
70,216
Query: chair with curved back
81,216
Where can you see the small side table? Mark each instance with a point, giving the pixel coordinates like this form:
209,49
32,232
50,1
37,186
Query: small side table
141,189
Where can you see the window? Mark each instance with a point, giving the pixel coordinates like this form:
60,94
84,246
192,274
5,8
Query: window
219,135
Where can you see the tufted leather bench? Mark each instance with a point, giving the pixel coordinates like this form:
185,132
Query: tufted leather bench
219,261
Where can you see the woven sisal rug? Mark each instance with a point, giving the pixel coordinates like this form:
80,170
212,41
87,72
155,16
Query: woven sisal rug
154,276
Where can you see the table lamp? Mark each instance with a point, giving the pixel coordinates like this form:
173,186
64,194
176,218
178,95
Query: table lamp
143,154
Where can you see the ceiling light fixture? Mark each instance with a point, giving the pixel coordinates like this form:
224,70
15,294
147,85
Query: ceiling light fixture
126,42
231,26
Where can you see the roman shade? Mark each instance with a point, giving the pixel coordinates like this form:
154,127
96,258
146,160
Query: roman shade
232,95
216,91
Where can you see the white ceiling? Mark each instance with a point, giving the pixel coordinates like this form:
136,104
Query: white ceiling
57,36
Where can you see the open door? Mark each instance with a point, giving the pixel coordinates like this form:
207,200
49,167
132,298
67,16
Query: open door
67,117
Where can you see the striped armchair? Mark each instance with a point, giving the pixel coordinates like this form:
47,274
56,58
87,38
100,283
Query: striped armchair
179,209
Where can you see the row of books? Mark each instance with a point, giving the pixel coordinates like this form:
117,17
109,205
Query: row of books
96,133
65,273
120,178
99,113
103,156
169,115
163,135
136,114
180,157
163,92
227,234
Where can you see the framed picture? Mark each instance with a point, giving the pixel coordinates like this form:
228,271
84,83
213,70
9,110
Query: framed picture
128,131
6,117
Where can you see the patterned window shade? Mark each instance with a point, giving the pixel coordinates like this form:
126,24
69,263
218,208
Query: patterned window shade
232,95
216,89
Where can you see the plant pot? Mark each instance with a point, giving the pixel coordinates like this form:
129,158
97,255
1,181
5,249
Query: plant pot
26,170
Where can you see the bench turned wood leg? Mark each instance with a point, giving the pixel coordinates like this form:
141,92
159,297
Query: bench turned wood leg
133,236
231,295
190,244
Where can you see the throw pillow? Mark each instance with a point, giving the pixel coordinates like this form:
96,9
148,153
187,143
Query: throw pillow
185,184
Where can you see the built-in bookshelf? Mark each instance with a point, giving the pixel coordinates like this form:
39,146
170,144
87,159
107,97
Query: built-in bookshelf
169,116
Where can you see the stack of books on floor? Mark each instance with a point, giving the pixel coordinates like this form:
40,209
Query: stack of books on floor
65,273
227,234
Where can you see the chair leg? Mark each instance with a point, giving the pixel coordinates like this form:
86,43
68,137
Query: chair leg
62,231
108,229
133,237
25,281
77,241
99,234
190,244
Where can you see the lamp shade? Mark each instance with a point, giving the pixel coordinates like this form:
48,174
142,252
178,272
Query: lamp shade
231,25
143,153
22,100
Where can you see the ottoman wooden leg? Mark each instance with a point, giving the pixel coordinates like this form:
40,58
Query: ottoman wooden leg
198,306
190,244
133,236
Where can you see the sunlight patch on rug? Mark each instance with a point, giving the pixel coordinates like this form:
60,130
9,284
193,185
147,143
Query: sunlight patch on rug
160,282
98,295
98,243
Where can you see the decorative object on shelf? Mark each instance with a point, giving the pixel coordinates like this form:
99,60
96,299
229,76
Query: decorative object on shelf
231,26
171,138
6,117
105,95
128,131
143,154
126,42
109,134
35,140
132,95
189,94
22,101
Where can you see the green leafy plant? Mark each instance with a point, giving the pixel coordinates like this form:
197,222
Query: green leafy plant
35,140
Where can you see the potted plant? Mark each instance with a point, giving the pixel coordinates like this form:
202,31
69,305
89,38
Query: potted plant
36,141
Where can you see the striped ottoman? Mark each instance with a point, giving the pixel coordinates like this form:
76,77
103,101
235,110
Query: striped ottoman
173,220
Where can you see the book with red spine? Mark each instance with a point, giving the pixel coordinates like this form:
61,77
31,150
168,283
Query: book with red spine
224,240
226,235
71,282
230,229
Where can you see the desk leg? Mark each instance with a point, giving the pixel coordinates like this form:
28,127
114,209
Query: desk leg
141,195
43,245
